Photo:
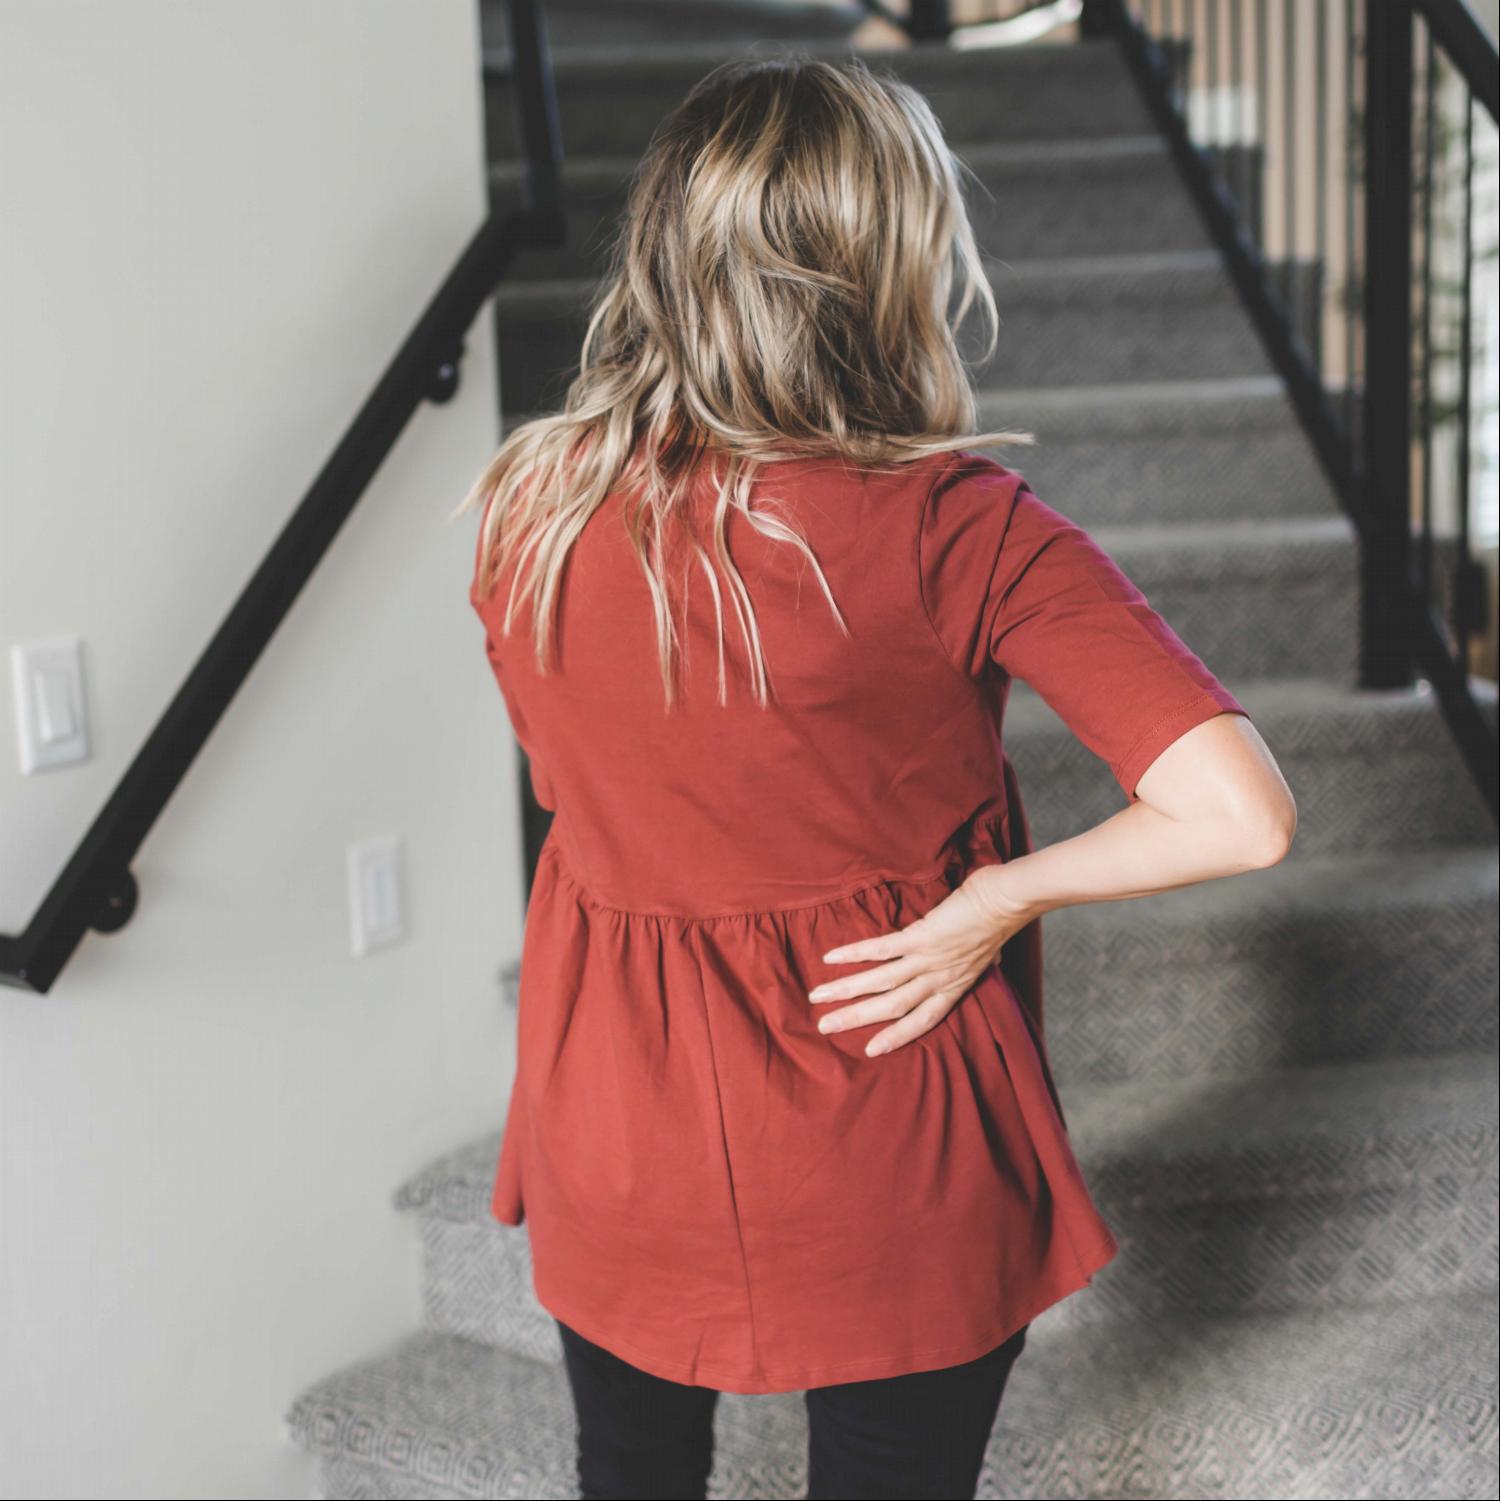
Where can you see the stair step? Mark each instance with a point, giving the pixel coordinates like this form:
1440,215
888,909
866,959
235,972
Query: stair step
1315,960
1293,1188
590,23
1163,451
1371,769
1092,319
1158,451
437,1415
1320,1129
1394,1399
610,99
1079,320
1287,1187
1117,196
1212,579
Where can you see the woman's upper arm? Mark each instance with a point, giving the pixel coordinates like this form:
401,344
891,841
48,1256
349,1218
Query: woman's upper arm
1222,771
1013,586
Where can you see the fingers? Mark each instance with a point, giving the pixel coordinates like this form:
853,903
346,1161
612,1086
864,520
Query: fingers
918,1020
867,981
881,946
884,1008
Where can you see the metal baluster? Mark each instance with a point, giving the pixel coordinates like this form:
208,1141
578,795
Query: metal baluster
1429,130
1466,583
1263,118
1237,152
1288,165
1213,86
1350,303
1321,225
929,21
1385,647
537,126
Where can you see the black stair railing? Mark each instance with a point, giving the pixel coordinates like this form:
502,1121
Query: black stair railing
95,889
1331,149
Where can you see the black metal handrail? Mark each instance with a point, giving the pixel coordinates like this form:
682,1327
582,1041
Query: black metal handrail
1380,421
96,888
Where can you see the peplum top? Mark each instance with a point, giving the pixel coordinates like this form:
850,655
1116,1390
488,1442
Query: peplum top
712,1188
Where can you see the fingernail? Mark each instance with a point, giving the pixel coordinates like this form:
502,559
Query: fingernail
826,1025
817,992
873,1048
831,955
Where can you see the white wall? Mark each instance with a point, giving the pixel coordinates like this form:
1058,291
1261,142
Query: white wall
220,219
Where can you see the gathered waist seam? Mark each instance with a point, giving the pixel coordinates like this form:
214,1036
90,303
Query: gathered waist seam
551,847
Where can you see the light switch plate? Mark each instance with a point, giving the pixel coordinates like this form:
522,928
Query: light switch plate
51,710
376,894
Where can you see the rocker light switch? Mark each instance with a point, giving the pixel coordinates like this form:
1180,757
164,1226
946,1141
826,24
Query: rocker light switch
375,894
50,716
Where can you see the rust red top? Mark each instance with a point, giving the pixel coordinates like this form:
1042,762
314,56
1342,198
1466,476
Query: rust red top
713,1189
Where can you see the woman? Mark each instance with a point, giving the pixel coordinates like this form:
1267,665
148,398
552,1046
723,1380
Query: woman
783,1118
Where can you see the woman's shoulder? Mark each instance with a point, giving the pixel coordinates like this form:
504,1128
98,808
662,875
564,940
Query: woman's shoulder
966,503
939,486
975,477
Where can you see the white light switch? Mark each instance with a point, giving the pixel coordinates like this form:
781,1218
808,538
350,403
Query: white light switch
51,720
375,895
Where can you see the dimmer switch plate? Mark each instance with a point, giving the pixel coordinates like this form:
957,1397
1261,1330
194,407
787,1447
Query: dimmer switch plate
51,713
376,917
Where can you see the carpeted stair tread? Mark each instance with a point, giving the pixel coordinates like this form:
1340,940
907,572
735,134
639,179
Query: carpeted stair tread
1213,918
611,98
1319,1128
1266,1405
589,23
1159,451
1315,712
1065,320
922,63
1315,1128
1370,768
1281,544
1057,277
1310,1187
439,1410
1394,1399
1028,199
1317,959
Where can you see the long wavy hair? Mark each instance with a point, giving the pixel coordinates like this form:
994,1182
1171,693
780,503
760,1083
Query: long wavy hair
779,289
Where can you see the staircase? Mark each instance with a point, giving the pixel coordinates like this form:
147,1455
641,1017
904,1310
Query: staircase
1282,1088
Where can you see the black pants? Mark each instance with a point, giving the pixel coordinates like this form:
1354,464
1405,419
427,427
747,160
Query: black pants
914,1436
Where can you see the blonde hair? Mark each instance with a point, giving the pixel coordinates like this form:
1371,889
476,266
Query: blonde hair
778,289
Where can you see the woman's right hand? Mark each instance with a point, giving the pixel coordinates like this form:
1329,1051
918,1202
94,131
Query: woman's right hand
925,968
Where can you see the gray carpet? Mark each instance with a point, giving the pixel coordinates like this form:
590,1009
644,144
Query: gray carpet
1383,1400
1282,1088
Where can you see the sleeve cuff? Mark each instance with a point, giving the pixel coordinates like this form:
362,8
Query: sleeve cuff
1203,705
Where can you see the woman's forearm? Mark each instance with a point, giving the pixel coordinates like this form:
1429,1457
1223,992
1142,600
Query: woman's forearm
1135,852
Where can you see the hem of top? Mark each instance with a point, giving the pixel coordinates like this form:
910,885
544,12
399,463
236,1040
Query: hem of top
865,883
723,1379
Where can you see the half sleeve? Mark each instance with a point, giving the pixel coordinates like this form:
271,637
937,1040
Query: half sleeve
1011,585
